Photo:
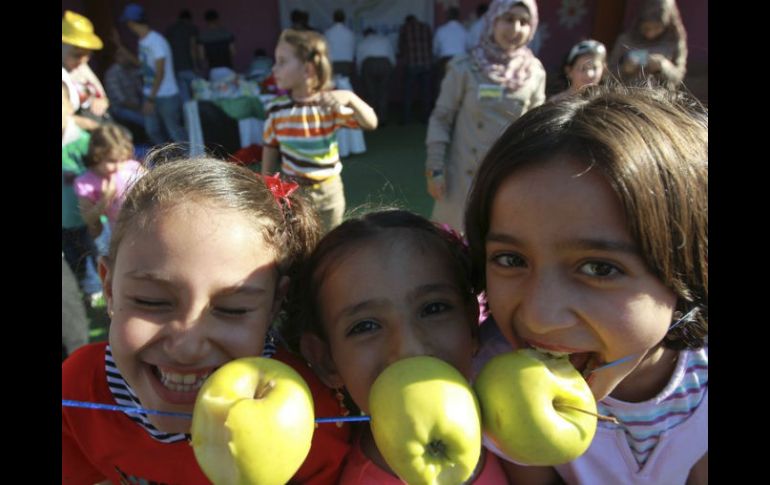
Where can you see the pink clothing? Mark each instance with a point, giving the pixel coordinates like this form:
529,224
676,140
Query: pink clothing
360,470
89,186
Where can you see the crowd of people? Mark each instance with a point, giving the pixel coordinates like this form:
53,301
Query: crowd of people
576,223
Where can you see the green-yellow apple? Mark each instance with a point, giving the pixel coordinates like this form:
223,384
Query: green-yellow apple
535,407
425,421
253,422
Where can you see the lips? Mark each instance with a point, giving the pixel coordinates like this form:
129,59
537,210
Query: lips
583,361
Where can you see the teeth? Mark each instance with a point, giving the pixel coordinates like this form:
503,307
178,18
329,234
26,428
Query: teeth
553,353
182,382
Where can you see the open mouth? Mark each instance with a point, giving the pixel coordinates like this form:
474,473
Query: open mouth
181,382
583,362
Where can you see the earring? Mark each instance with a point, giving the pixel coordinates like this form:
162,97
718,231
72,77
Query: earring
111,313
344,411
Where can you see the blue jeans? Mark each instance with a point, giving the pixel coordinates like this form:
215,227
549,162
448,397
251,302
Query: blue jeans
421,75
165,122
80,252
127,115
184,80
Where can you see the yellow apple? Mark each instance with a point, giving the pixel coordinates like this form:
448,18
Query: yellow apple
536,408
425,420
253,422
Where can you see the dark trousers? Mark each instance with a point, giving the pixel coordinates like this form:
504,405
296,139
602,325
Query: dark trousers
376,73
78,248
421,76
343,67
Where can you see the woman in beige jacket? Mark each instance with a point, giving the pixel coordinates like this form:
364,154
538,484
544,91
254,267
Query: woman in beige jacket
481,94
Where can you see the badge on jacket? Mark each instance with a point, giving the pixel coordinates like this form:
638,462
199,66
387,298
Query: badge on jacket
490,91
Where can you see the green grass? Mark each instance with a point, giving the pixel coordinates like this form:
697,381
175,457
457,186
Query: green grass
390,173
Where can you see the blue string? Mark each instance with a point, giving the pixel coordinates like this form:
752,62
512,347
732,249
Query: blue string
133,410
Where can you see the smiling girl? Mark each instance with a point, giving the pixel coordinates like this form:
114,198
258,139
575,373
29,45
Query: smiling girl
200,258
588,227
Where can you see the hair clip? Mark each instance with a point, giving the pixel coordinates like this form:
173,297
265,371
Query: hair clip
281,190
455,235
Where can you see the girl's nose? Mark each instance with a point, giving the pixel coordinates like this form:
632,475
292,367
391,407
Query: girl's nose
544,305
186,342
408,341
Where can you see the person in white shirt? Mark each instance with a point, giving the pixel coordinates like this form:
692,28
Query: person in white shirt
474,31
342,44
162,105
448,41
375,60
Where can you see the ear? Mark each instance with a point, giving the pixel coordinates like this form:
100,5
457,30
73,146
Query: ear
318,355
281,288
567,72
310,71
105,274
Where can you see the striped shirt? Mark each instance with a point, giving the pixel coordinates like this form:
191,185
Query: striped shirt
125,396
644,423
305,133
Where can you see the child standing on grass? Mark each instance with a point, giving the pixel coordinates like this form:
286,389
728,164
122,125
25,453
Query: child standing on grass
376,290
300,129
200,258
102,188
588,229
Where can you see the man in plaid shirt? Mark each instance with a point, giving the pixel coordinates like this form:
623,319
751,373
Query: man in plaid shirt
415,48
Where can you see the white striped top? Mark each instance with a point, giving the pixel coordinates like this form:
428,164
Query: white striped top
644,422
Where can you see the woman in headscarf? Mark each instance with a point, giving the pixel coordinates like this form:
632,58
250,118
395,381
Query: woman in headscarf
655,47
482,93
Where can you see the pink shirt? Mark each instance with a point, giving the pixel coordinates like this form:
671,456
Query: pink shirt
89,186
360,470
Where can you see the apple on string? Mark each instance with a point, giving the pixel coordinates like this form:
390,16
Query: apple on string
252,423
536,408
425,421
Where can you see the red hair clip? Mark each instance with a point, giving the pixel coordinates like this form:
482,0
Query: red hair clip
281,190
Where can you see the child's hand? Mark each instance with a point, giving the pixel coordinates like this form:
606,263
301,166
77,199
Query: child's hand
108,188
629,66
436,186
656,62
336,99
148,107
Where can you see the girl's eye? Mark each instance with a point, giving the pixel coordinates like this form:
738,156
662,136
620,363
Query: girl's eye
152,304
509,260
600,269
232,312
363,326
434,308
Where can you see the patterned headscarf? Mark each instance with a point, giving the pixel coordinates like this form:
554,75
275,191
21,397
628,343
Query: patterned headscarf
513,68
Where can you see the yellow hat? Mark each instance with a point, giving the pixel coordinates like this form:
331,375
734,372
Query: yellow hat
79,31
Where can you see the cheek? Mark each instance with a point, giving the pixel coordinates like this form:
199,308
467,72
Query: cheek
358,371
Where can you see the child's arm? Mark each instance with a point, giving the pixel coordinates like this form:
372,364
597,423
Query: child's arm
699,474
269,159
91,213
362,112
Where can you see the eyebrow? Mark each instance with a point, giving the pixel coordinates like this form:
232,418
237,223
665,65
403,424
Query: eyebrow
416,293
241,289
580,244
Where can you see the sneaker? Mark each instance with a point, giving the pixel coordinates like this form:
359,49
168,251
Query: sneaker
97,300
